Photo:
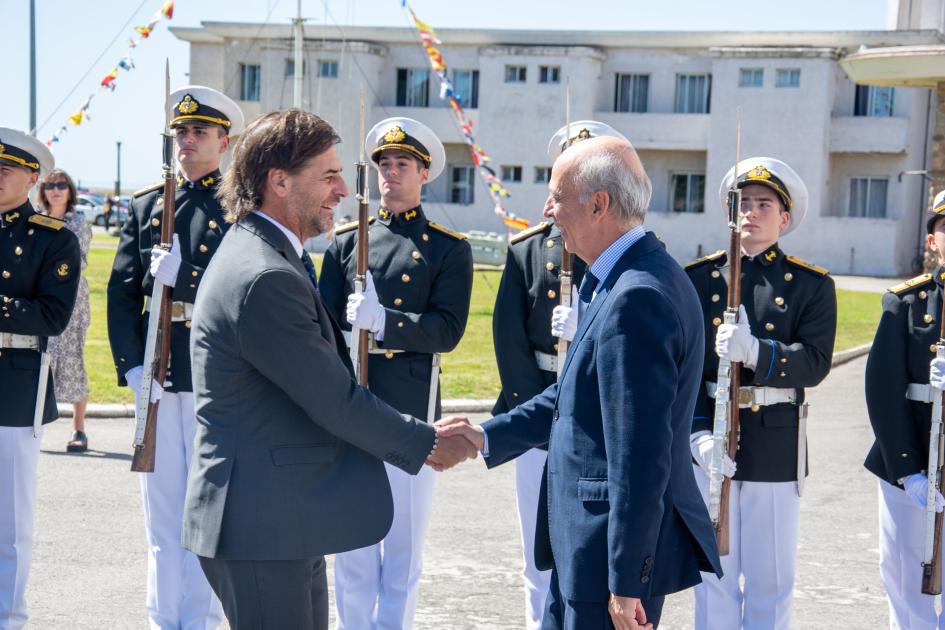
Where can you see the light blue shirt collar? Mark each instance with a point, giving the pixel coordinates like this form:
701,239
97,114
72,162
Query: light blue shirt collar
604,264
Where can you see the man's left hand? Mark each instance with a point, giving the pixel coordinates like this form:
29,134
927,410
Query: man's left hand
627,613
364,309
165,264
736,343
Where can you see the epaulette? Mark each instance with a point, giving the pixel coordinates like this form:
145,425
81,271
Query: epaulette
347,227
521,236
48,222
147,189
820,271
701,261
447,231
912,283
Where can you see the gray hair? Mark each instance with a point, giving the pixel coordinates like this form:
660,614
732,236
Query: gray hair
607,172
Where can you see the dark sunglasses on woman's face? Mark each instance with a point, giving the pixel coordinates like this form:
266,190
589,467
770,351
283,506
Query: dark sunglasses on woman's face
57,186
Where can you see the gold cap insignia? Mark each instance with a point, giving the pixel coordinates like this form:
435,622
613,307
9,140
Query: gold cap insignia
396,134
759,172
188,105
63,270
583,134
2,148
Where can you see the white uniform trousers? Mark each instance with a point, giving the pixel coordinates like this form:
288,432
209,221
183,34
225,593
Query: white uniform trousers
179,596
376,587
901,542
528,470
763,532
19,457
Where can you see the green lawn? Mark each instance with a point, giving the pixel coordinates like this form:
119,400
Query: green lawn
468,372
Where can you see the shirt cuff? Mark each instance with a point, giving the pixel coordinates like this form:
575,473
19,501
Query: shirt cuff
485,444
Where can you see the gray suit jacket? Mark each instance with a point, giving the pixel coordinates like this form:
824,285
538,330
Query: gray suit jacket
287,463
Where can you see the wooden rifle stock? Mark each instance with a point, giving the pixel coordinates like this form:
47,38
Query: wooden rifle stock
566,281
360,278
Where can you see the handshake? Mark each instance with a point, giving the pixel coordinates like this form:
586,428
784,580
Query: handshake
457,441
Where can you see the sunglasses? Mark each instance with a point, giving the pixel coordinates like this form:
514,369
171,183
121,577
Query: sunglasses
57,186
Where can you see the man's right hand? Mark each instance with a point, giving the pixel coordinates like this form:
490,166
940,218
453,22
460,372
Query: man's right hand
937,374
917,487
564,319
700,444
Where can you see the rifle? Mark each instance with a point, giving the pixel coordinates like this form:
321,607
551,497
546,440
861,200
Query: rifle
725,428
157,347
359,337
567,259
932,555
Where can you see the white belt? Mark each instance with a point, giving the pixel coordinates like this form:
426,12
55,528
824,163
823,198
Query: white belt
547,362
921,392
372,344
180,311
759,396
21,342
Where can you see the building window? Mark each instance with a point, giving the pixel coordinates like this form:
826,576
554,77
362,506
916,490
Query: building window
549,74
327,69
868,197
631,93
542,174
413,87
692,93
751,77
290,67
466,87
688,192
249,82
788,78
512,174
515,74
872,100
461,184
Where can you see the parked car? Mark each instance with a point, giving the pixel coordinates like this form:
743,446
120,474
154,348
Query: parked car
95,212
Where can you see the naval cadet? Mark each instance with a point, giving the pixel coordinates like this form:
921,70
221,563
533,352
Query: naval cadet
784,340
39,278
203,120
415,307
526,349
903,377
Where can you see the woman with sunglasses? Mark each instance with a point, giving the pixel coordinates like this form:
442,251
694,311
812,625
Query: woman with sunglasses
57,197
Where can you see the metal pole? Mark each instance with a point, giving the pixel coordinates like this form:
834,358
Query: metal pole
33,67
299,62
117,204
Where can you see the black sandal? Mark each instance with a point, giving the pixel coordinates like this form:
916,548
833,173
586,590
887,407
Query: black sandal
78,444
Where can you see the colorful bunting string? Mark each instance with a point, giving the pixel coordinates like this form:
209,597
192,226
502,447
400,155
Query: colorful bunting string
494,184
109,81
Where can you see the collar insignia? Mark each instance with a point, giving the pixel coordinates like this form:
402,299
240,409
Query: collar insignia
771,255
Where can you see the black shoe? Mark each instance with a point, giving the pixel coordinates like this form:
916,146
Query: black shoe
78,444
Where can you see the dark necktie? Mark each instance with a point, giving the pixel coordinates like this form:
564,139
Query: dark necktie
586,292
310,268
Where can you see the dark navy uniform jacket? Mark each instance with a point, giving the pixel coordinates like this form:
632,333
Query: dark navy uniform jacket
902,349
423,276
792,310
199,224
521,320
39,277
620,511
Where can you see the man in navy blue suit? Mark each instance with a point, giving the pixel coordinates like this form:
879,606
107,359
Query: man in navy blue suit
621,521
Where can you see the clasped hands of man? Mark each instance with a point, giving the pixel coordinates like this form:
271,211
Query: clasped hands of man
460,440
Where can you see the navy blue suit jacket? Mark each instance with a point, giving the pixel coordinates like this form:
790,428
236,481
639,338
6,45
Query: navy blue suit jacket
620,510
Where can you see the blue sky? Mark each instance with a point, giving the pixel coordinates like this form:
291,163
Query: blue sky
72,35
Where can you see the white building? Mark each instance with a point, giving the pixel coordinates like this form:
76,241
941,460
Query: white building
673,94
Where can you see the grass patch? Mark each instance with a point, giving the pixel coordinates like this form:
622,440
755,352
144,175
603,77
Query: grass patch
468,372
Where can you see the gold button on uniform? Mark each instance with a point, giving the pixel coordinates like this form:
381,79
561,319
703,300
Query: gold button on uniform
755,408
549,244
155,222
927,318
905,455
388,355
769,326
193,286
716,274
783,374
30,231
789,276
398,301
715,297
6,274
716,321
195,273
405,278
551,294
426,237
400,324
549,265
923,295
203,249
212,224
187,324
779,301
783,359
18,250
415,255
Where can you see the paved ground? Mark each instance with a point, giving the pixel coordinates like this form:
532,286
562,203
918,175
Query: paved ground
89,568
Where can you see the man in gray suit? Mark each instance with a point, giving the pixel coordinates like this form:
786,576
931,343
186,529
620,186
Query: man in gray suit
289,453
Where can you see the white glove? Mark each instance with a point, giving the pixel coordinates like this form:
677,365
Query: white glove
700,444
564,319
937,374
736,343
365,311
133,378
917,487
166,264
